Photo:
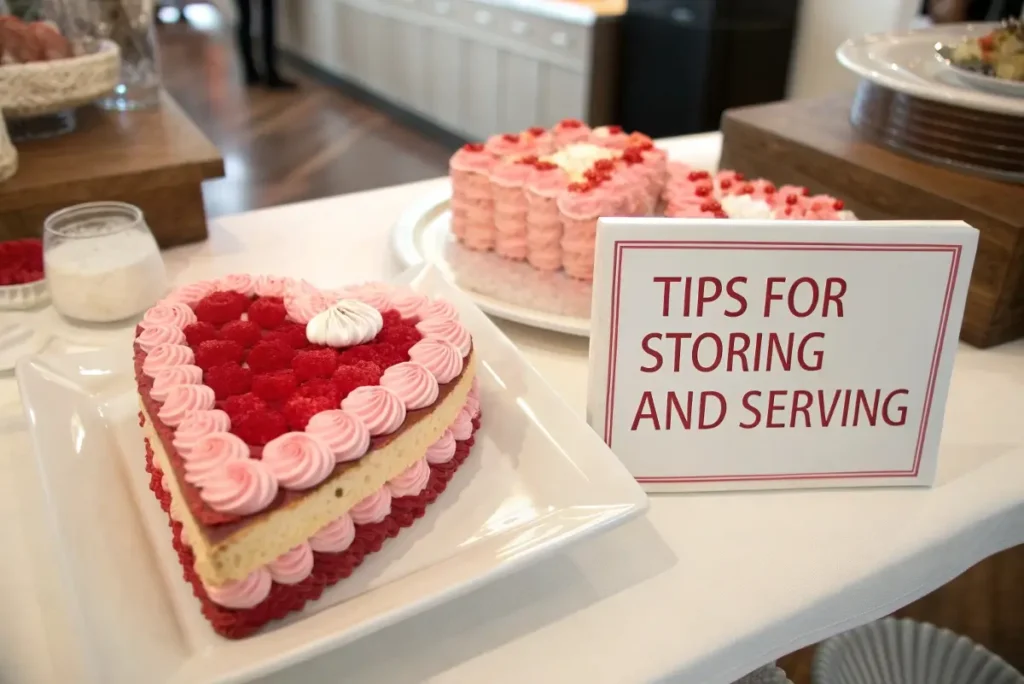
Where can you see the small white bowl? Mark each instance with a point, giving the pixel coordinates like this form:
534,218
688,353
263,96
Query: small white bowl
891,651
21,297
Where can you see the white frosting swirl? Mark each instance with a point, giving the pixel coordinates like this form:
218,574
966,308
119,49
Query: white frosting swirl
345,324
745,207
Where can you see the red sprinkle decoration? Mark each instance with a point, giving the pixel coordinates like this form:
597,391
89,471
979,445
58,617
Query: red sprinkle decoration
510,137
632,155
604,165
838,205
792,199
768,189
698,175
721,215
725,184
545,166
536,131
570,123
739,176
615,130
473,147
747,189
702,191
710,205
580,187
530,159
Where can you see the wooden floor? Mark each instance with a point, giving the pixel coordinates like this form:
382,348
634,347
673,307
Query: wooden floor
316,142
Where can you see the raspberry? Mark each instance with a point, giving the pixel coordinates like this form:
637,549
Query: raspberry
320,387
357,374
698,175
268,312
270,355
221,307
314,364
245,333
216,352
721,214
792,199
838,205
391,317
710,205
241,404
725,184
276,386
702,191
400,335
389,354
747,189
298,410
292,334
227,380
197,333
259,427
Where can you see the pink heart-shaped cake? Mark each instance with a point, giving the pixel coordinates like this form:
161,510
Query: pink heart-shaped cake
290,430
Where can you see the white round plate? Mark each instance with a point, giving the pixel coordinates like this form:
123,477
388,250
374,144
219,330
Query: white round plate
999,86
422,235
905,62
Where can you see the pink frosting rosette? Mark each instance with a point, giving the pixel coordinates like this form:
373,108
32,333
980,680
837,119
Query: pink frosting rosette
298,460
334,537
408,303
612,137
164,356
589,203
410,481
171,315
344,434
508,144
511,172
472,405
183,399
443,450
568,131
169,378
199,424
210,453
376,295
156,335
239,487
193,292
243,594
462,428
438,308
271,286
472,157
293,566
547,179
378,408
413,383
442,358
373,508
243,283
448,330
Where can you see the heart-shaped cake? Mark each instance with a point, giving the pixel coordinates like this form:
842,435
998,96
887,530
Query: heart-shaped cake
291,430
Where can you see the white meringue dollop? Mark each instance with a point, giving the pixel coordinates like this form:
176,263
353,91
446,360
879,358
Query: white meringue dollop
345,324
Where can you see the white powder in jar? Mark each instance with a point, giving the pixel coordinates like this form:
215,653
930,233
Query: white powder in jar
105,278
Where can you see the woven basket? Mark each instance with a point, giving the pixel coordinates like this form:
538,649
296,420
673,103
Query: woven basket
39,88
8,155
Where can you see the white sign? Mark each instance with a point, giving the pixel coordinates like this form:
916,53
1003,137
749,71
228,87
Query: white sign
752,354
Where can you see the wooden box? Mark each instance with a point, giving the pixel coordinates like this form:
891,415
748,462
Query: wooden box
155,159
811,142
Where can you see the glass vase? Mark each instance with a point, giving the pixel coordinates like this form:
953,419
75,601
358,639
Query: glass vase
130,24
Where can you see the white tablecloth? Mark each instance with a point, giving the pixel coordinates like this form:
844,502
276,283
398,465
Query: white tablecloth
704,589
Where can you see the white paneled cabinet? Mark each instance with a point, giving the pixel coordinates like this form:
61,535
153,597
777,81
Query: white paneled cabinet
470,66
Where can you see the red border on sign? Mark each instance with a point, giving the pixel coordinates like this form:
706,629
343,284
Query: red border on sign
619,249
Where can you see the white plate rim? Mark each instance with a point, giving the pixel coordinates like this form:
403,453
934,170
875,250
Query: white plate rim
405,246
851,55
630,502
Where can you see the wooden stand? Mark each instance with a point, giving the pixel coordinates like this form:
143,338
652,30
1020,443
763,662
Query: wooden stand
812,143
155,159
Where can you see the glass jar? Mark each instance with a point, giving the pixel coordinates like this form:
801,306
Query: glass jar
130,24
102,263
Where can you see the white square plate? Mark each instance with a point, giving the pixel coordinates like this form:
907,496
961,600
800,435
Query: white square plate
537,479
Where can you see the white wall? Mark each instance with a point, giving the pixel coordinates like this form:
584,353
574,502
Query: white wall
823,25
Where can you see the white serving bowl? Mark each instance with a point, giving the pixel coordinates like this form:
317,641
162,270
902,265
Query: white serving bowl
21,297
891,651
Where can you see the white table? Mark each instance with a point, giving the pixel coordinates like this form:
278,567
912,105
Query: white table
704,589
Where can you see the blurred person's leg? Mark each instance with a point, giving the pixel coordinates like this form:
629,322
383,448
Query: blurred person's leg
274,79
244,37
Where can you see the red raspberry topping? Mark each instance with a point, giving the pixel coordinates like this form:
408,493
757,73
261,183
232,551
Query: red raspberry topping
698,175
227,380
473,147
245,333
614,130
400,334
314,364
511,137
320,387
259,427
357,374
725,184
391,317
710,205
702,191
268,312
221,307
645,145
838,205
298,410
604,165
197,333
241,404
739,176
530,159
292,334
768,189
276,386
536,131
545,166
792,199
594,176
747,189
580,187
389,354
270,355
216,352
21,261
570,123
721,214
